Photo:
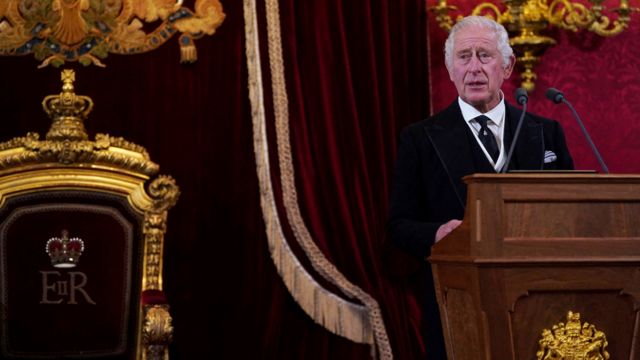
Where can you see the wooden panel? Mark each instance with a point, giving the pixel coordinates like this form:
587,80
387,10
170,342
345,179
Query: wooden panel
529,220
518,281
463,319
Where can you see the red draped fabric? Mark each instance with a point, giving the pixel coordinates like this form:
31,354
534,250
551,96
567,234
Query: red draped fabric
356,73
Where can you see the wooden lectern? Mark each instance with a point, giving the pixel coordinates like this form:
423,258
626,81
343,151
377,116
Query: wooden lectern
533,247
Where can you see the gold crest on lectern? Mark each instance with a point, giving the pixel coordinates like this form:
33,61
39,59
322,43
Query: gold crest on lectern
573,341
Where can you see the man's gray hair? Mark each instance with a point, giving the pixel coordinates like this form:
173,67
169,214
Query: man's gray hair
502,37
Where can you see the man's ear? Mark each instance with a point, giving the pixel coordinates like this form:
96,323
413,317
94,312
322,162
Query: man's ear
509,68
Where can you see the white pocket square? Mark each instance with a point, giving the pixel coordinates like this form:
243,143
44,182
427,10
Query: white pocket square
549,156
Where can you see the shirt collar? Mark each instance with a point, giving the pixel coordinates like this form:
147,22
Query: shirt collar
496,114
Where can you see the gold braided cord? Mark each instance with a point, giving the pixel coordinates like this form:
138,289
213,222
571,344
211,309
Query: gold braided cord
339,316
287,176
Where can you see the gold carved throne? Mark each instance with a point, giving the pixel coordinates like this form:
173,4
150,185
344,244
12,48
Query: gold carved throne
82,226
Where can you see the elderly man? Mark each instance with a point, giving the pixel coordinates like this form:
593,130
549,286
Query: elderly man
472,135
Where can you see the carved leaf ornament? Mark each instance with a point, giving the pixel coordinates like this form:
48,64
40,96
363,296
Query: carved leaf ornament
59,31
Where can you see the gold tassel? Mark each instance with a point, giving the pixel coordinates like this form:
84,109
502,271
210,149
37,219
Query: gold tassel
188,52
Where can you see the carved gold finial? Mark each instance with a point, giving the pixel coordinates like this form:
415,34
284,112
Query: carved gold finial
573,341
67,140
157,332
68,77
67,111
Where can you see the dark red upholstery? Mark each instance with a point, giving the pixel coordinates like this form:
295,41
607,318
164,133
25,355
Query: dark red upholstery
87,310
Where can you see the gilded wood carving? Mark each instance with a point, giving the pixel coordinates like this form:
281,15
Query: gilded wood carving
573,341
59,31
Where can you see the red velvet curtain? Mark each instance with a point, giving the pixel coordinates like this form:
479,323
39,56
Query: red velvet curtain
356,73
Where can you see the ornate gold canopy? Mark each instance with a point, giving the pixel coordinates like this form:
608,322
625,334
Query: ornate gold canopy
58,31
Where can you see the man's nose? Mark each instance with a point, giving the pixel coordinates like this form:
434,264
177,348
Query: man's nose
474,64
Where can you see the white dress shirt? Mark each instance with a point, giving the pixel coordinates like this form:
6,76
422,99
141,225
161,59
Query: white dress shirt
496,125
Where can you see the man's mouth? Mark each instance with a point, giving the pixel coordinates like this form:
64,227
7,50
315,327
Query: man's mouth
476,83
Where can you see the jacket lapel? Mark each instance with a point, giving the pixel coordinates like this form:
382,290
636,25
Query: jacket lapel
450,137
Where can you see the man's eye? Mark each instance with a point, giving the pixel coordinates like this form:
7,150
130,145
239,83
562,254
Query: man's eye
484,57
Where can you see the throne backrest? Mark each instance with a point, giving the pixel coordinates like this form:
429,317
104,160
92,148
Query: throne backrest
82,227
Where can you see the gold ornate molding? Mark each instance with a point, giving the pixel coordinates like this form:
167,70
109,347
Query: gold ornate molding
67,160
67,157
59,31
164,194
67,141
527,20
573,341
157,332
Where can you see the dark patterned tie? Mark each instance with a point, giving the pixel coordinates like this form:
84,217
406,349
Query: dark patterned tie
487,138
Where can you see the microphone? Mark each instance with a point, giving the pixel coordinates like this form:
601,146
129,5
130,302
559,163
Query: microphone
557,97
521,98
554,95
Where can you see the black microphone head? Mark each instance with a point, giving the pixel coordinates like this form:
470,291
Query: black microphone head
554,95
521,96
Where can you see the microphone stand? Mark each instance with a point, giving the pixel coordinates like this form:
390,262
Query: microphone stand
557,96
586,135
522,99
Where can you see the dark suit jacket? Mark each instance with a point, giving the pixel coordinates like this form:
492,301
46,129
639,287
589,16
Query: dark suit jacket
435,154
433,157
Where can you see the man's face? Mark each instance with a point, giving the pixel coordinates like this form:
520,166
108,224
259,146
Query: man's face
478,69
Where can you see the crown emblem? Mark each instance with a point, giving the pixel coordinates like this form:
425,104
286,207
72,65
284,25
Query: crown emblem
67,111
64,252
